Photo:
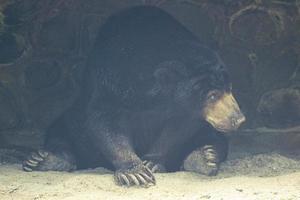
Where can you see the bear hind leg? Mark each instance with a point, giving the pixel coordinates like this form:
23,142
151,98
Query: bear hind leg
43,160
56,156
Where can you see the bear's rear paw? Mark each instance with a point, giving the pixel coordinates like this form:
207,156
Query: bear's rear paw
204,161
46,161
154,167
138,175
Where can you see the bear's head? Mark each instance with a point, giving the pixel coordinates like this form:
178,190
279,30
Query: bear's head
204,91
219,107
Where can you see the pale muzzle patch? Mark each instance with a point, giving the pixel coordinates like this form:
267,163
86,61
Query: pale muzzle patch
224,114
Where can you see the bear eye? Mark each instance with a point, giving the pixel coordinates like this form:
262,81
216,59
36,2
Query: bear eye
213,95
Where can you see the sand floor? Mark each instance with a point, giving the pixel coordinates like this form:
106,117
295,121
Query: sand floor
262,176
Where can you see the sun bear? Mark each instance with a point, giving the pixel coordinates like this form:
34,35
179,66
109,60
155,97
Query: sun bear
152,94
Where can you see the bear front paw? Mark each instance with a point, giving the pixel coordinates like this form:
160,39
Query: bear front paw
204,160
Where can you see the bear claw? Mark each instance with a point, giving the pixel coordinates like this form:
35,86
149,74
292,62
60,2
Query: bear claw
210,154
137,176
27,169
154,167
34,160
43,153
211,157
32,163
37,157
204,160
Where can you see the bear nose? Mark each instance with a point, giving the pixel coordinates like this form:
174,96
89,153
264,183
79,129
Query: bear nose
237,121
242,119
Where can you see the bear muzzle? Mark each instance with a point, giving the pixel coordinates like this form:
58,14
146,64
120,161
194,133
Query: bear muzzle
224,114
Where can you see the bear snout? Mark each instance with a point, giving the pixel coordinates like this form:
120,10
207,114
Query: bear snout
224,113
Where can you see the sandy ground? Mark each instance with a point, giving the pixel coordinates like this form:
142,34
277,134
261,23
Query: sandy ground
259,167
261,176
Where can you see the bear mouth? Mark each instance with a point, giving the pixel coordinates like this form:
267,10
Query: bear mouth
222,127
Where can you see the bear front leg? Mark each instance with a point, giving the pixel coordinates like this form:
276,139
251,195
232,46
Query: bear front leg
206,159
130,170
117,148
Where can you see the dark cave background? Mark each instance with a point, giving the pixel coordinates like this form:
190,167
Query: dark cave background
44,44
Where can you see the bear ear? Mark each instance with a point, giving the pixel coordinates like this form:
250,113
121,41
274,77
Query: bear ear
170,72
